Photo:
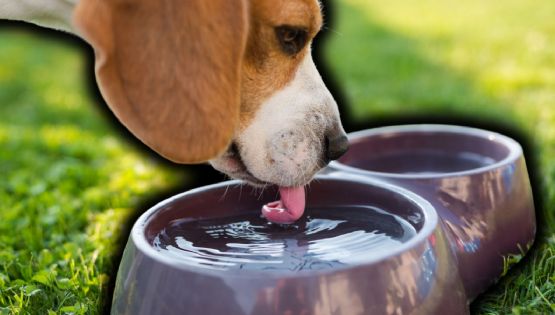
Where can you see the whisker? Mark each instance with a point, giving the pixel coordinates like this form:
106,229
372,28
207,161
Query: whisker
326,28
261,192
225,192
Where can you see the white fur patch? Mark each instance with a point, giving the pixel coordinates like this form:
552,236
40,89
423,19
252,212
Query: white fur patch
54,14
284,143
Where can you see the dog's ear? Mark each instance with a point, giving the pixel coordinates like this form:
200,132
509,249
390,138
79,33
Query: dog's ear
170,70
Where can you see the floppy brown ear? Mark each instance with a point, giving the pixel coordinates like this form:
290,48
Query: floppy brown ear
170,70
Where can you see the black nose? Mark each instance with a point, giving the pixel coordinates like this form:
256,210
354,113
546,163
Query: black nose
336,146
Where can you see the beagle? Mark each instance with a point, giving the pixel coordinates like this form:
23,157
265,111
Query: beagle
231,82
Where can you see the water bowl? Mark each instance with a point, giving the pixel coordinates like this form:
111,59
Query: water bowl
364,246
475,179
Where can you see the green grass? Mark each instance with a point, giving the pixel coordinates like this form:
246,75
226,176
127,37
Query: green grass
491,63
70,182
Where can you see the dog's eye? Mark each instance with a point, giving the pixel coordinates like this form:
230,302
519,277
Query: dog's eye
291,39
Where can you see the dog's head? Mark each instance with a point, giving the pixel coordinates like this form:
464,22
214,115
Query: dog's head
231,82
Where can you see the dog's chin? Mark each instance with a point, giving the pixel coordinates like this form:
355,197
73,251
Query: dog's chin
246,176
251,180
231,164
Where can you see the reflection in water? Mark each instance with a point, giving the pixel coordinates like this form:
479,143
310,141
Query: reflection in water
324,238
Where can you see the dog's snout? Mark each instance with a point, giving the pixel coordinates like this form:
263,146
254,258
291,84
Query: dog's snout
336,146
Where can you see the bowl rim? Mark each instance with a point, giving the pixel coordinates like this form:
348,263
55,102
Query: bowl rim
515,150
430,225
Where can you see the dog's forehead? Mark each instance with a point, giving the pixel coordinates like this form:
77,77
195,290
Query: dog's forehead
302,13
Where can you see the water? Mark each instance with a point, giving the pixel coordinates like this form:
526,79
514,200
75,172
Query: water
423,162
324,238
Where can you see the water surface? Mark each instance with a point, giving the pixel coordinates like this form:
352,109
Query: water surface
324,238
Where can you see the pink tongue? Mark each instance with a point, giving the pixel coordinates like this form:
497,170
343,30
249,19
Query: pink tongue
289,208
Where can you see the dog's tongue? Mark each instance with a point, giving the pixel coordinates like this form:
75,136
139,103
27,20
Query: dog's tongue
289,208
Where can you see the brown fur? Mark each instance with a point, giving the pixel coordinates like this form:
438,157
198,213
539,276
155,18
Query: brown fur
266,68
184,76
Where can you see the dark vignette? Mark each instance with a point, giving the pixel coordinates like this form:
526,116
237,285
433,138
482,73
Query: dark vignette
200,175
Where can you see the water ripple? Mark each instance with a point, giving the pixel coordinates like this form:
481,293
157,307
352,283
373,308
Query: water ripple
325,238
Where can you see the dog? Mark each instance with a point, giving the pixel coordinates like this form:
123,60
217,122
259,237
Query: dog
229,82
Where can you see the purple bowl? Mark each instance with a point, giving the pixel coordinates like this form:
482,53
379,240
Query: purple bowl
476,179
417,275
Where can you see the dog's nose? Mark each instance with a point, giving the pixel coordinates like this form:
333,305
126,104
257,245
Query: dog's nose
336,146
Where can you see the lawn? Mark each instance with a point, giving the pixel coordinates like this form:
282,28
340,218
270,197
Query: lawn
72,180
